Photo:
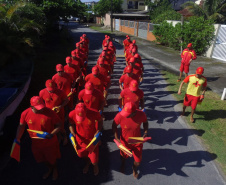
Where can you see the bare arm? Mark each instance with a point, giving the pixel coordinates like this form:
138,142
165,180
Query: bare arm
142,103
72,129
120,86
20,131
145,126
120,101
181,85
114,129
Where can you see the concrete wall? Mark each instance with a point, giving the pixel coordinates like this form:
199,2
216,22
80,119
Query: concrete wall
107,20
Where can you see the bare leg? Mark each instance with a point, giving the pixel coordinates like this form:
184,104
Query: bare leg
50,169
186,74
65,140
122,167
192,114
86,168
180,76
135,173
55,172
95,169
184,108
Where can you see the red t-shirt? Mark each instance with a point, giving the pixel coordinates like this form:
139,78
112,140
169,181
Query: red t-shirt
104,70
129,96
125,79
99,82
52,99
136,70
92,101
63,82
71,71
86,129
130,126
106,61
45,121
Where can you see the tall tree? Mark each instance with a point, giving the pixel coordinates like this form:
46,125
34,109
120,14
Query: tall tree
210,9
104,6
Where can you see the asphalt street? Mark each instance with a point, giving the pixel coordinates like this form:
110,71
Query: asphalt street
174,156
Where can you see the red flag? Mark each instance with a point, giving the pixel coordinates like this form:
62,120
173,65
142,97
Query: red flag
15,151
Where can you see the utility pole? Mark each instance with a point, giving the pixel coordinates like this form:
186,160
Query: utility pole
111,16
182,38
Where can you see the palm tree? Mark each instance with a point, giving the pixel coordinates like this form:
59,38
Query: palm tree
210,9
18,32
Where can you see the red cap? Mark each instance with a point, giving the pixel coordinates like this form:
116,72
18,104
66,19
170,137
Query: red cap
84,35
189,45
77,44
80,111
128,109
134,41
111,44
132,59
73,53
89,87
129,69
95,70
106,36
128,38
68,60
37,102
105,48
199,70
136,55
51,85
134,50
133,86
59,67
101,61
127,35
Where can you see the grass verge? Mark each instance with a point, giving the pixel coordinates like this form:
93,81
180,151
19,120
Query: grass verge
210,116
100,29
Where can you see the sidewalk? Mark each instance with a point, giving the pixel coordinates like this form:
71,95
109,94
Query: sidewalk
167,58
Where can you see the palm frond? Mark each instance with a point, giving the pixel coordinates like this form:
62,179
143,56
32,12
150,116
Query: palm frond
14,8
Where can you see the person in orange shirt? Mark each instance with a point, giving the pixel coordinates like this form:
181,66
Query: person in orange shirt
187,56
130,120
196,83
55,99
132,94
40,118
84,125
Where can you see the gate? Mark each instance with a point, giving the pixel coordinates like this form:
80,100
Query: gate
142,29
117,24
219,51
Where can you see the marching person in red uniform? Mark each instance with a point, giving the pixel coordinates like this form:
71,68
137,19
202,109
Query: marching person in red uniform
196,83
130,120
40,118
132,94
91,97
137,70
104,69
64,82
126,43
84,125
72,70
125,79
187,56
99,81
55,99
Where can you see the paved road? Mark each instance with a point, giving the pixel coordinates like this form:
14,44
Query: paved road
175,155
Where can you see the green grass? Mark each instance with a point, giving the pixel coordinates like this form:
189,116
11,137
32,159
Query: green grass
100,29
210,116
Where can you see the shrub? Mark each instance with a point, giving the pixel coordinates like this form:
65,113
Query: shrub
198,31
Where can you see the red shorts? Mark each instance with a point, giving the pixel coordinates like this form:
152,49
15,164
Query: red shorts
192,101
184,67
82,152
136,151
46,154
